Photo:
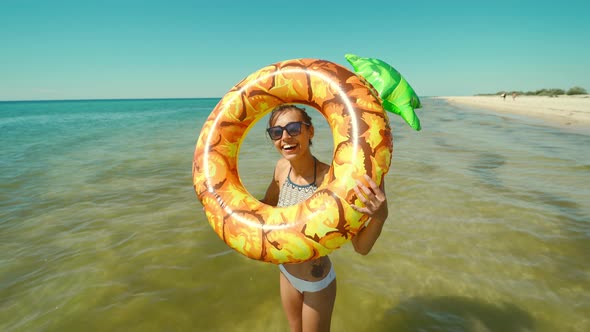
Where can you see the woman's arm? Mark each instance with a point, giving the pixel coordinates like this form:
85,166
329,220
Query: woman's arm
375,201
272,192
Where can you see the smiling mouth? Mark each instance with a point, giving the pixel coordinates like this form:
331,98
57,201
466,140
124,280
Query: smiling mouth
289,147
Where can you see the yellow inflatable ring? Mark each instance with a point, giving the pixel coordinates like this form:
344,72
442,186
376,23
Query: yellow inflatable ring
313,228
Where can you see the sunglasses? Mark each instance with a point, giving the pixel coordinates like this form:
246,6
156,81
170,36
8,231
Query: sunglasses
292,128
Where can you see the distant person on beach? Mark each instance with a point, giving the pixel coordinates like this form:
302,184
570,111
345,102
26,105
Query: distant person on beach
308,289
503,95
514,96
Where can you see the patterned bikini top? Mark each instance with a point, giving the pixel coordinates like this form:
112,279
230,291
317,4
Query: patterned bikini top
292,193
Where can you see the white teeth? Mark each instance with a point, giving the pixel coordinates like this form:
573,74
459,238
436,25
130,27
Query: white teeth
288,147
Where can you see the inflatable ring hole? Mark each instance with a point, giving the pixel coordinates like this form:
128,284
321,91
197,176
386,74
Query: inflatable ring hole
258,156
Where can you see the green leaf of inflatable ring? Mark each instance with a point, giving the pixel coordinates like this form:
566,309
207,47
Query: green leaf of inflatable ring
397,95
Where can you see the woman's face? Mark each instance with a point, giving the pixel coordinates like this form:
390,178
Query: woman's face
292,146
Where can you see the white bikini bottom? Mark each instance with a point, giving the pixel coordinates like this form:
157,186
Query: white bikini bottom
309,286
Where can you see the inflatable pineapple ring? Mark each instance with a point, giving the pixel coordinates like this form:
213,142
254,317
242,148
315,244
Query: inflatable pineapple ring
325,221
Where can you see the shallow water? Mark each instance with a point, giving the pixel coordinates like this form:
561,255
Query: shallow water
100,229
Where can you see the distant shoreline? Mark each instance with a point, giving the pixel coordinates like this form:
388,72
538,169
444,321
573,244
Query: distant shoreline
564,111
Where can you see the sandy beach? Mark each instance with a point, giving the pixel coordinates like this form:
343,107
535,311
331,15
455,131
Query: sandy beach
562,111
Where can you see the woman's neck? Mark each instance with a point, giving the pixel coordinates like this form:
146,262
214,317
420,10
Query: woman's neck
303,168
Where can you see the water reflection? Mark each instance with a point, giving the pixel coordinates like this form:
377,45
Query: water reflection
454,313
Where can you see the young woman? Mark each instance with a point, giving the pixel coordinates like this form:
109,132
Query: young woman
308,290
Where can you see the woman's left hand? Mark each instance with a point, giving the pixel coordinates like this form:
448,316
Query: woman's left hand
374,199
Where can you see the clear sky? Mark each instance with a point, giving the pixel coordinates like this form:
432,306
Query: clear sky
167,49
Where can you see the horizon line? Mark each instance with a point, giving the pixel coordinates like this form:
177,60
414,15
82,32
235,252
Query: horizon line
123,99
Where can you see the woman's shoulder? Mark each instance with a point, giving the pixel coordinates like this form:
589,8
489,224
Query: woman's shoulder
323,169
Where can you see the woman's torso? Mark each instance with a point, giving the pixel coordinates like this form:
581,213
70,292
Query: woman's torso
292,193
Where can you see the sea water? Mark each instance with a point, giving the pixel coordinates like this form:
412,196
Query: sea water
100,229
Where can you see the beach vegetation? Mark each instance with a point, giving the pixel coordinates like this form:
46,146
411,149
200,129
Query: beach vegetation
549,92
576,90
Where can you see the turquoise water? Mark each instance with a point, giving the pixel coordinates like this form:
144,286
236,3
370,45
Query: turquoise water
100,229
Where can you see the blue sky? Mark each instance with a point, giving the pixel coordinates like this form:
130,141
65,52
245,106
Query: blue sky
167,49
